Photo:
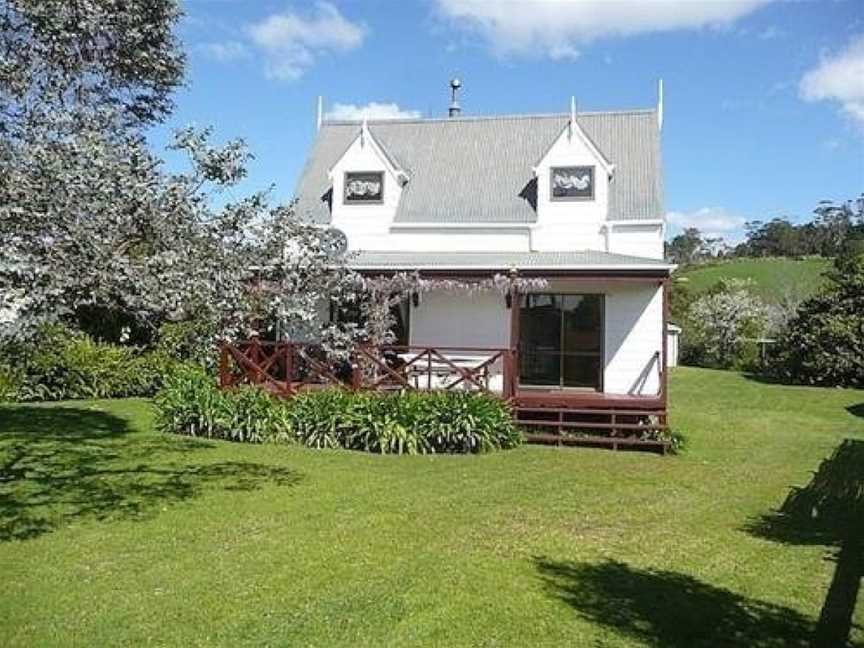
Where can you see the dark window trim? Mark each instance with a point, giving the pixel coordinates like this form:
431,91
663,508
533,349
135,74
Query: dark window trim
590,198
346,201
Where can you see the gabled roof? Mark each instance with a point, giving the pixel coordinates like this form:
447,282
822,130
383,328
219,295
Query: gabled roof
575,130
504,261
479,169
364,134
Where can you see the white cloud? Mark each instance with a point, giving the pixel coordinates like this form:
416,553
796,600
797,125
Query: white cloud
224,52
555,27
292,42
839,78
372,110
714,221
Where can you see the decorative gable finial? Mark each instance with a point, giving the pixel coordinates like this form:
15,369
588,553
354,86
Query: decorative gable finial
660,105
319,117
572,124
364,130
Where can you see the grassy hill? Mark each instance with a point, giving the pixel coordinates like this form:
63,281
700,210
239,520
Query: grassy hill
773,277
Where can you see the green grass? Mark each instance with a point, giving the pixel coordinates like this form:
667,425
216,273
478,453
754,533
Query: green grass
773,278
111,534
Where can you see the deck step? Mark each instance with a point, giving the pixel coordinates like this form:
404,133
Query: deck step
598,441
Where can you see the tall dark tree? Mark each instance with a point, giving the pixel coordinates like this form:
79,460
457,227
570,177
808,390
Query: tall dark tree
835,226
685,247
825,341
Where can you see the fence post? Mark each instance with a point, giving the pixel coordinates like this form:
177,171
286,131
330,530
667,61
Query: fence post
356,375
507,365
224,374
255,356
289,368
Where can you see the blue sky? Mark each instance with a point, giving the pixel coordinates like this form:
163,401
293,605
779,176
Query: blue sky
764,101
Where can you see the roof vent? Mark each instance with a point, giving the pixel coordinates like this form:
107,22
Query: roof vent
455,109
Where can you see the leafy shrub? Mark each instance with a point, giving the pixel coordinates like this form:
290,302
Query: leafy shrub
824,343
319,419
189,341
404,423
191,403
10,383
63,364
408,423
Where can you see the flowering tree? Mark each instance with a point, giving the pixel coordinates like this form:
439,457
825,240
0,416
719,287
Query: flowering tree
92,221
720,322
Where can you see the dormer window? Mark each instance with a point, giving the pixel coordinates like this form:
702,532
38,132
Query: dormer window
364,187
571,183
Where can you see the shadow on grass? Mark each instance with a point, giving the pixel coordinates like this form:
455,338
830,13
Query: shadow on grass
765,379
664,608
62,464
856,410
828,511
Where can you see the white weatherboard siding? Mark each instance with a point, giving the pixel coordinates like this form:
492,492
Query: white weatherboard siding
635,239
634,339
633,325
460,319
462,239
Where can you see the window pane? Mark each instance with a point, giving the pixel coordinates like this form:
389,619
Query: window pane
561,340
366,187
540,337
583,329
581,371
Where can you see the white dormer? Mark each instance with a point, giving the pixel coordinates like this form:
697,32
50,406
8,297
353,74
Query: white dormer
573,179
366,184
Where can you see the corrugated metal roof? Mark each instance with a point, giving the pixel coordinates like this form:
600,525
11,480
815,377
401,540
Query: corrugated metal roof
582,259
478,169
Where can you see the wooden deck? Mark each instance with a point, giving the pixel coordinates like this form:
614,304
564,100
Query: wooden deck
537,397
549,416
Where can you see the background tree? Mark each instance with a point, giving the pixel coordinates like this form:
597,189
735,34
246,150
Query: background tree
824,344
685,247
834,228
719,323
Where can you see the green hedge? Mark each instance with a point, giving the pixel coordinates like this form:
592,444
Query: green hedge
62,364
404,423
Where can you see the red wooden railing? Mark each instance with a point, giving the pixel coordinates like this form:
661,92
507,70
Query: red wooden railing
286,368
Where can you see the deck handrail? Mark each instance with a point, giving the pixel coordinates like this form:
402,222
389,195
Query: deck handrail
286,367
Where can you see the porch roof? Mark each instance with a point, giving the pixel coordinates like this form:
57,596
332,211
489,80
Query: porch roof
576,260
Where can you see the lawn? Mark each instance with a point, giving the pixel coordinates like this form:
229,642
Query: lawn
772,278
111,534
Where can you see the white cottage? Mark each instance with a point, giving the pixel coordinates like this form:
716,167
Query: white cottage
574,198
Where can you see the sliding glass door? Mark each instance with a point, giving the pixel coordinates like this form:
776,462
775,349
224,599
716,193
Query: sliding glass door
561,340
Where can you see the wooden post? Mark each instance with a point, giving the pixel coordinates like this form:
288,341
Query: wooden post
289,368
255,356
506,366
515,310
224,373
664,358
356,374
